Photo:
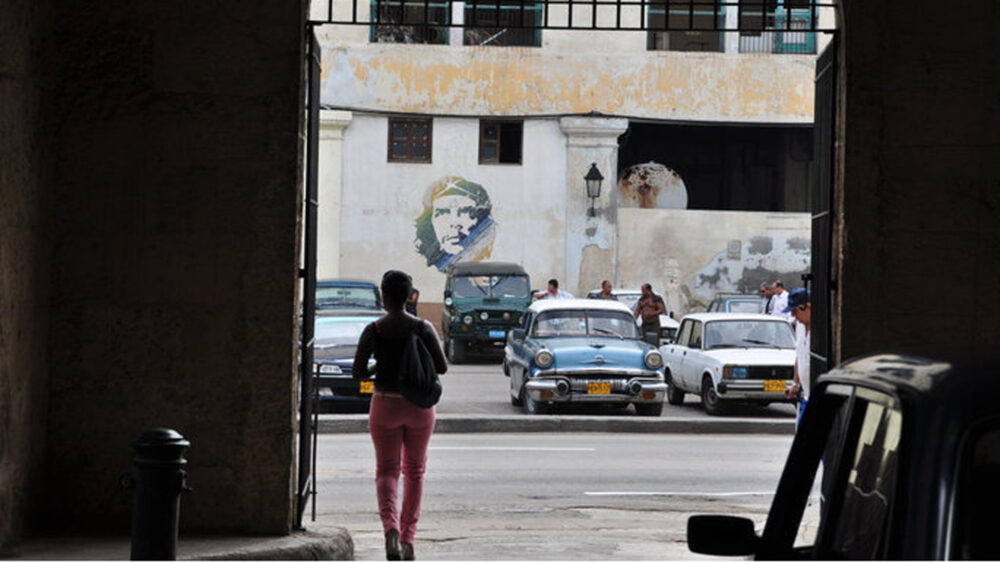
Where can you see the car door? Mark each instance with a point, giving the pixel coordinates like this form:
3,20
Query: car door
519,353
693,361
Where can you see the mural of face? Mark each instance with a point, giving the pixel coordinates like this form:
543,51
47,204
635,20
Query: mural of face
456,223
453,217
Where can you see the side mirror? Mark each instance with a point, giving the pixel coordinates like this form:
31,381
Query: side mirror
721,535
517,335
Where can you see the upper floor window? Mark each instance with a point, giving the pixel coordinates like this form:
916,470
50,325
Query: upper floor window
500,142
409,140
409,21
683,25
503,23
777,26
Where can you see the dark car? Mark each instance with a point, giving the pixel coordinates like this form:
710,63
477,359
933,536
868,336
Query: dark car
337,335
342,294
896,457
736,302
482,302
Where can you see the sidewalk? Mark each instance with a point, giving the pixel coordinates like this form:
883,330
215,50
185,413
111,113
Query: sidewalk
517,423
317,543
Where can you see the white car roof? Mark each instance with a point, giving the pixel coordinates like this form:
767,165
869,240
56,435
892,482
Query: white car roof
710,316
577,304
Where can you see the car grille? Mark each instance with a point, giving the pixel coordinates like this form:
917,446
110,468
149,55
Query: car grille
496,317
769,373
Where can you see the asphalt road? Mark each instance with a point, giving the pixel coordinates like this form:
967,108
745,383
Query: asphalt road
556,496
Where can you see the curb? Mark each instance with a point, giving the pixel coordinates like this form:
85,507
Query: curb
454,423
333,543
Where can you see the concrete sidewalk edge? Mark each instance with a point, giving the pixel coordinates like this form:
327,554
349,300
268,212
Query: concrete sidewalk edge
456,423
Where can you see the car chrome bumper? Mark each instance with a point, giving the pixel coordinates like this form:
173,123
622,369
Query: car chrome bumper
752,390
625,391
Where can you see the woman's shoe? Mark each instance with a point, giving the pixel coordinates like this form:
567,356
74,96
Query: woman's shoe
407,551
392,545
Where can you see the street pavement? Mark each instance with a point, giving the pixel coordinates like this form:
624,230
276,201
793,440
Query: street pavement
556,496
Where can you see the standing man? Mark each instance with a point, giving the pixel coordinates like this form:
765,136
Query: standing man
606,291
765,295
779,300
800,307
649,307
553,292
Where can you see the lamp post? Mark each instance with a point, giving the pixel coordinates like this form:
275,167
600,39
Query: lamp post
593,180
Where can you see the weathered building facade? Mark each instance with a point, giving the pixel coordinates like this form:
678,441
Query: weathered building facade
727,126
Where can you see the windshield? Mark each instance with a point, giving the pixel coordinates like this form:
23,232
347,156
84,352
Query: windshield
748,307
335,332
346,297
748,333
499,286
600,323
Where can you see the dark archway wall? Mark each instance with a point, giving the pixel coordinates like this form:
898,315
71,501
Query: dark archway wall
151,195
24,267
919,176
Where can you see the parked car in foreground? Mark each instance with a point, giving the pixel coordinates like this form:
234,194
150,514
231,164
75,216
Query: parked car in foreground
482,302
630,298
337,334
736,302
896,457
727,357
582,351
345,294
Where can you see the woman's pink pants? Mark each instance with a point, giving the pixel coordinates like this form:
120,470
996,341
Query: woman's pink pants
400,430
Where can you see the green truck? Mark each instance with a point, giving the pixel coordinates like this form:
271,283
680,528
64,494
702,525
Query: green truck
482,302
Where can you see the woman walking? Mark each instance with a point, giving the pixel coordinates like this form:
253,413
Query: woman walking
400,430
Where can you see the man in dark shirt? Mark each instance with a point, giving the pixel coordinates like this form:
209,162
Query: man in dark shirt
649,308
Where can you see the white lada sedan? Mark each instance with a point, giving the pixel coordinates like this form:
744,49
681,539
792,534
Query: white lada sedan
727,357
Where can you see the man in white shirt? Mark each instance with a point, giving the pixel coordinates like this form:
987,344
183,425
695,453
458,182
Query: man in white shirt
799,306
779,300
553,292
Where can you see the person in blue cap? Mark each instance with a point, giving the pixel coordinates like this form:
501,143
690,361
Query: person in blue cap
800,307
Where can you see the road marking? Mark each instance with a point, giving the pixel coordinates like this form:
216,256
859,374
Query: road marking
551,449
682,494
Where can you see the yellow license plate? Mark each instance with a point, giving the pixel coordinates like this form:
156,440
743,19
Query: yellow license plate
366,387
774,386
598,388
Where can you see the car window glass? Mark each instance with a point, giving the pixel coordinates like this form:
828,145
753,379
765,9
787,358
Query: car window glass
560,323
748,307
611,324
685,332
346,297
858,527
978,497
526,320
331,332
695,338
748,333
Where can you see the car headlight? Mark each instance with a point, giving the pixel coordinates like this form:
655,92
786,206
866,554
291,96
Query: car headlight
447,301
467,319
544,358
484,316
506,316
330,369
654,360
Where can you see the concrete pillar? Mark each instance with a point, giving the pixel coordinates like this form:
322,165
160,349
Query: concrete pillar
590,241
331,183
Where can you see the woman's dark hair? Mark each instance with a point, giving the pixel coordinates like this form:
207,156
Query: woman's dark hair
396,287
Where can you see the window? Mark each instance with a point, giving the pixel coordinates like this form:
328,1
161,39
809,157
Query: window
412,22
777,26
695,342
503,23
409,140
686,25
685,333
500,142
978,496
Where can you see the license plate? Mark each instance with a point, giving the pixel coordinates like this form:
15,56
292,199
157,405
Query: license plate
366,387
598,388
774,386
498,334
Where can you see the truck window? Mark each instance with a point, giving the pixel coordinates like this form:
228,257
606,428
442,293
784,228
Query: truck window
978,496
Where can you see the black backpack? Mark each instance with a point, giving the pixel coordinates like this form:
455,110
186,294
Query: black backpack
418,378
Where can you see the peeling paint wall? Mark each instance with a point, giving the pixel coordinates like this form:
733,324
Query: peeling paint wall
441,79
689,256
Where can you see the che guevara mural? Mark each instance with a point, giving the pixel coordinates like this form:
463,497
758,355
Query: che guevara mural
456,223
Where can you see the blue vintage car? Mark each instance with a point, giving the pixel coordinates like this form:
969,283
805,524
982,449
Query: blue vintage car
582,351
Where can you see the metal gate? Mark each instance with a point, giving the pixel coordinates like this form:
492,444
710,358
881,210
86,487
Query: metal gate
422,21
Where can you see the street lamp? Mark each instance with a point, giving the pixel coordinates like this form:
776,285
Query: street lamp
593,180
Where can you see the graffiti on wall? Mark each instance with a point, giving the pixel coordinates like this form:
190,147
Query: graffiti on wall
456,223
652,186
744,264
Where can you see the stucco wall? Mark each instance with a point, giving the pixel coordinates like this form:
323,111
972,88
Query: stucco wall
176,233
689,256
381,201
24,268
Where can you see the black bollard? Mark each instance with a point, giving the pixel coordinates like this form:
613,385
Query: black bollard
159,478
